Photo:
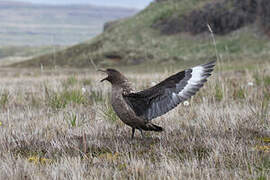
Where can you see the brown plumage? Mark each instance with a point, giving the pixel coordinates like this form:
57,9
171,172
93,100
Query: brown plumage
138,109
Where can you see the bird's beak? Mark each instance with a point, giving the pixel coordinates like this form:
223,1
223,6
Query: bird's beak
103,72
103,79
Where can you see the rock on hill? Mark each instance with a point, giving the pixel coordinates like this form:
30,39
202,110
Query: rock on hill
175,31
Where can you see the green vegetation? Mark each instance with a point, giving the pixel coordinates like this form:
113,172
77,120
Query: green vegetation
4,98
108,112
71,119
134,41
70,82
59,100
239,93
218,92
26,51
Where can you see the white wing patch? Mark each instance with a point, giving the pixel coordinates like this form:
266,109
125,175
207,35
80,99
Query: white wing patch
196,74
196,78
177,90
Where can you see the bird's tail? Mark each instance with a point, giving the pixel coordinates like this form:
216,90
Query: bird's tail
153,127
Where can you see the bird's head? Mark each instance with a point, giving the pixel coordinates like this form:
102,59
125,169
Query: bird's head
113,76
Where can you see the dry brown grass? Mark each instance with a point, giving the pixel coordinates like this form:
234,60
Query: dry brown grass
50,129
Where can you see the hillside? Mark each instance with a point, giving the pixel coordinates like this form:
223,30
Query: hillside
240,29
38,25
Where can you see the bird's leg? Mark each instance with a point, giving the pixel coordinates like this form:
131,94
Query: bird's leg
133,131
142,133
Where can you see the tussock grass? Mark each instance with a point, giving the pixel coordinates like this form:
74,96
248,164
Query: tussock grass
222,134
4,98
108,112
62,99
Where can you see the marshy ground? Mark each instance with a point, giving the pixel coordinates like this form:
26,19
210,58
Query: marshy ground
58,124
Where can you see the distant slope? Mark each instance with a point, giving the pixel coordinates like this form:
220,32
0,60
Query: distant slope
138,39
31,24
15,54
112,3
13,3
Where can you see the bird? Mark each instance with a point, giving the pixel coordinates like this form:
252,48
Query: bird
138,109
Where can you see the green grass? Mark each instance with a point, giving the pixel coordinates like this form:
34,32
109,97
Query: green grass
4,98
59,100
133,41
70,82
108,112
218,92
71,119
27,51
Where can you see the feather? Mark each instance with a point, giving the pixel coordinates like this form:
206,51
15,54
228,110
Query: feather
166,95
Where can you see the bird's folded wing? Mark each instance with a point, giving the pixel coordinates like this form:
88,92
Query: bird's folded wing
166,95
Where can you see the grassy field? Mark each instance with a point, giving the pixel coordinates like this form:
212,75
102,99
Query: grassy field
15,54
58,124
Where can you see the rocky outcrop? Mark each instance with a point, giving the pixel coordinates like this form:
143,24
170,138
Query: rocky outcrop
223,17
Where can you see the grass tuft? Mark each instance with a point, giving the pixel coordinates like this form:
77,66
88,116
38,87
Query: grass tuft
70,82
108,112
218,92
71,119
4,99
59,100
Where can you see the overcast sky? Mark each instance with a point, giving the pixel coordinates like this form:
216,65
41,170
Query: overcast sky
122,3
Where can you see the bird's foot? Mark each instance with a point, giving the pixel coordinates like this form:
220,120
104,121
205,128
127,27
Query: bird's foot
133,132
142,133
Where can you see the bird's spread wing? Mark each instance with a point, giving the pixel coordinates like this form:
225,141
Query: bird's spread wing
166,95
